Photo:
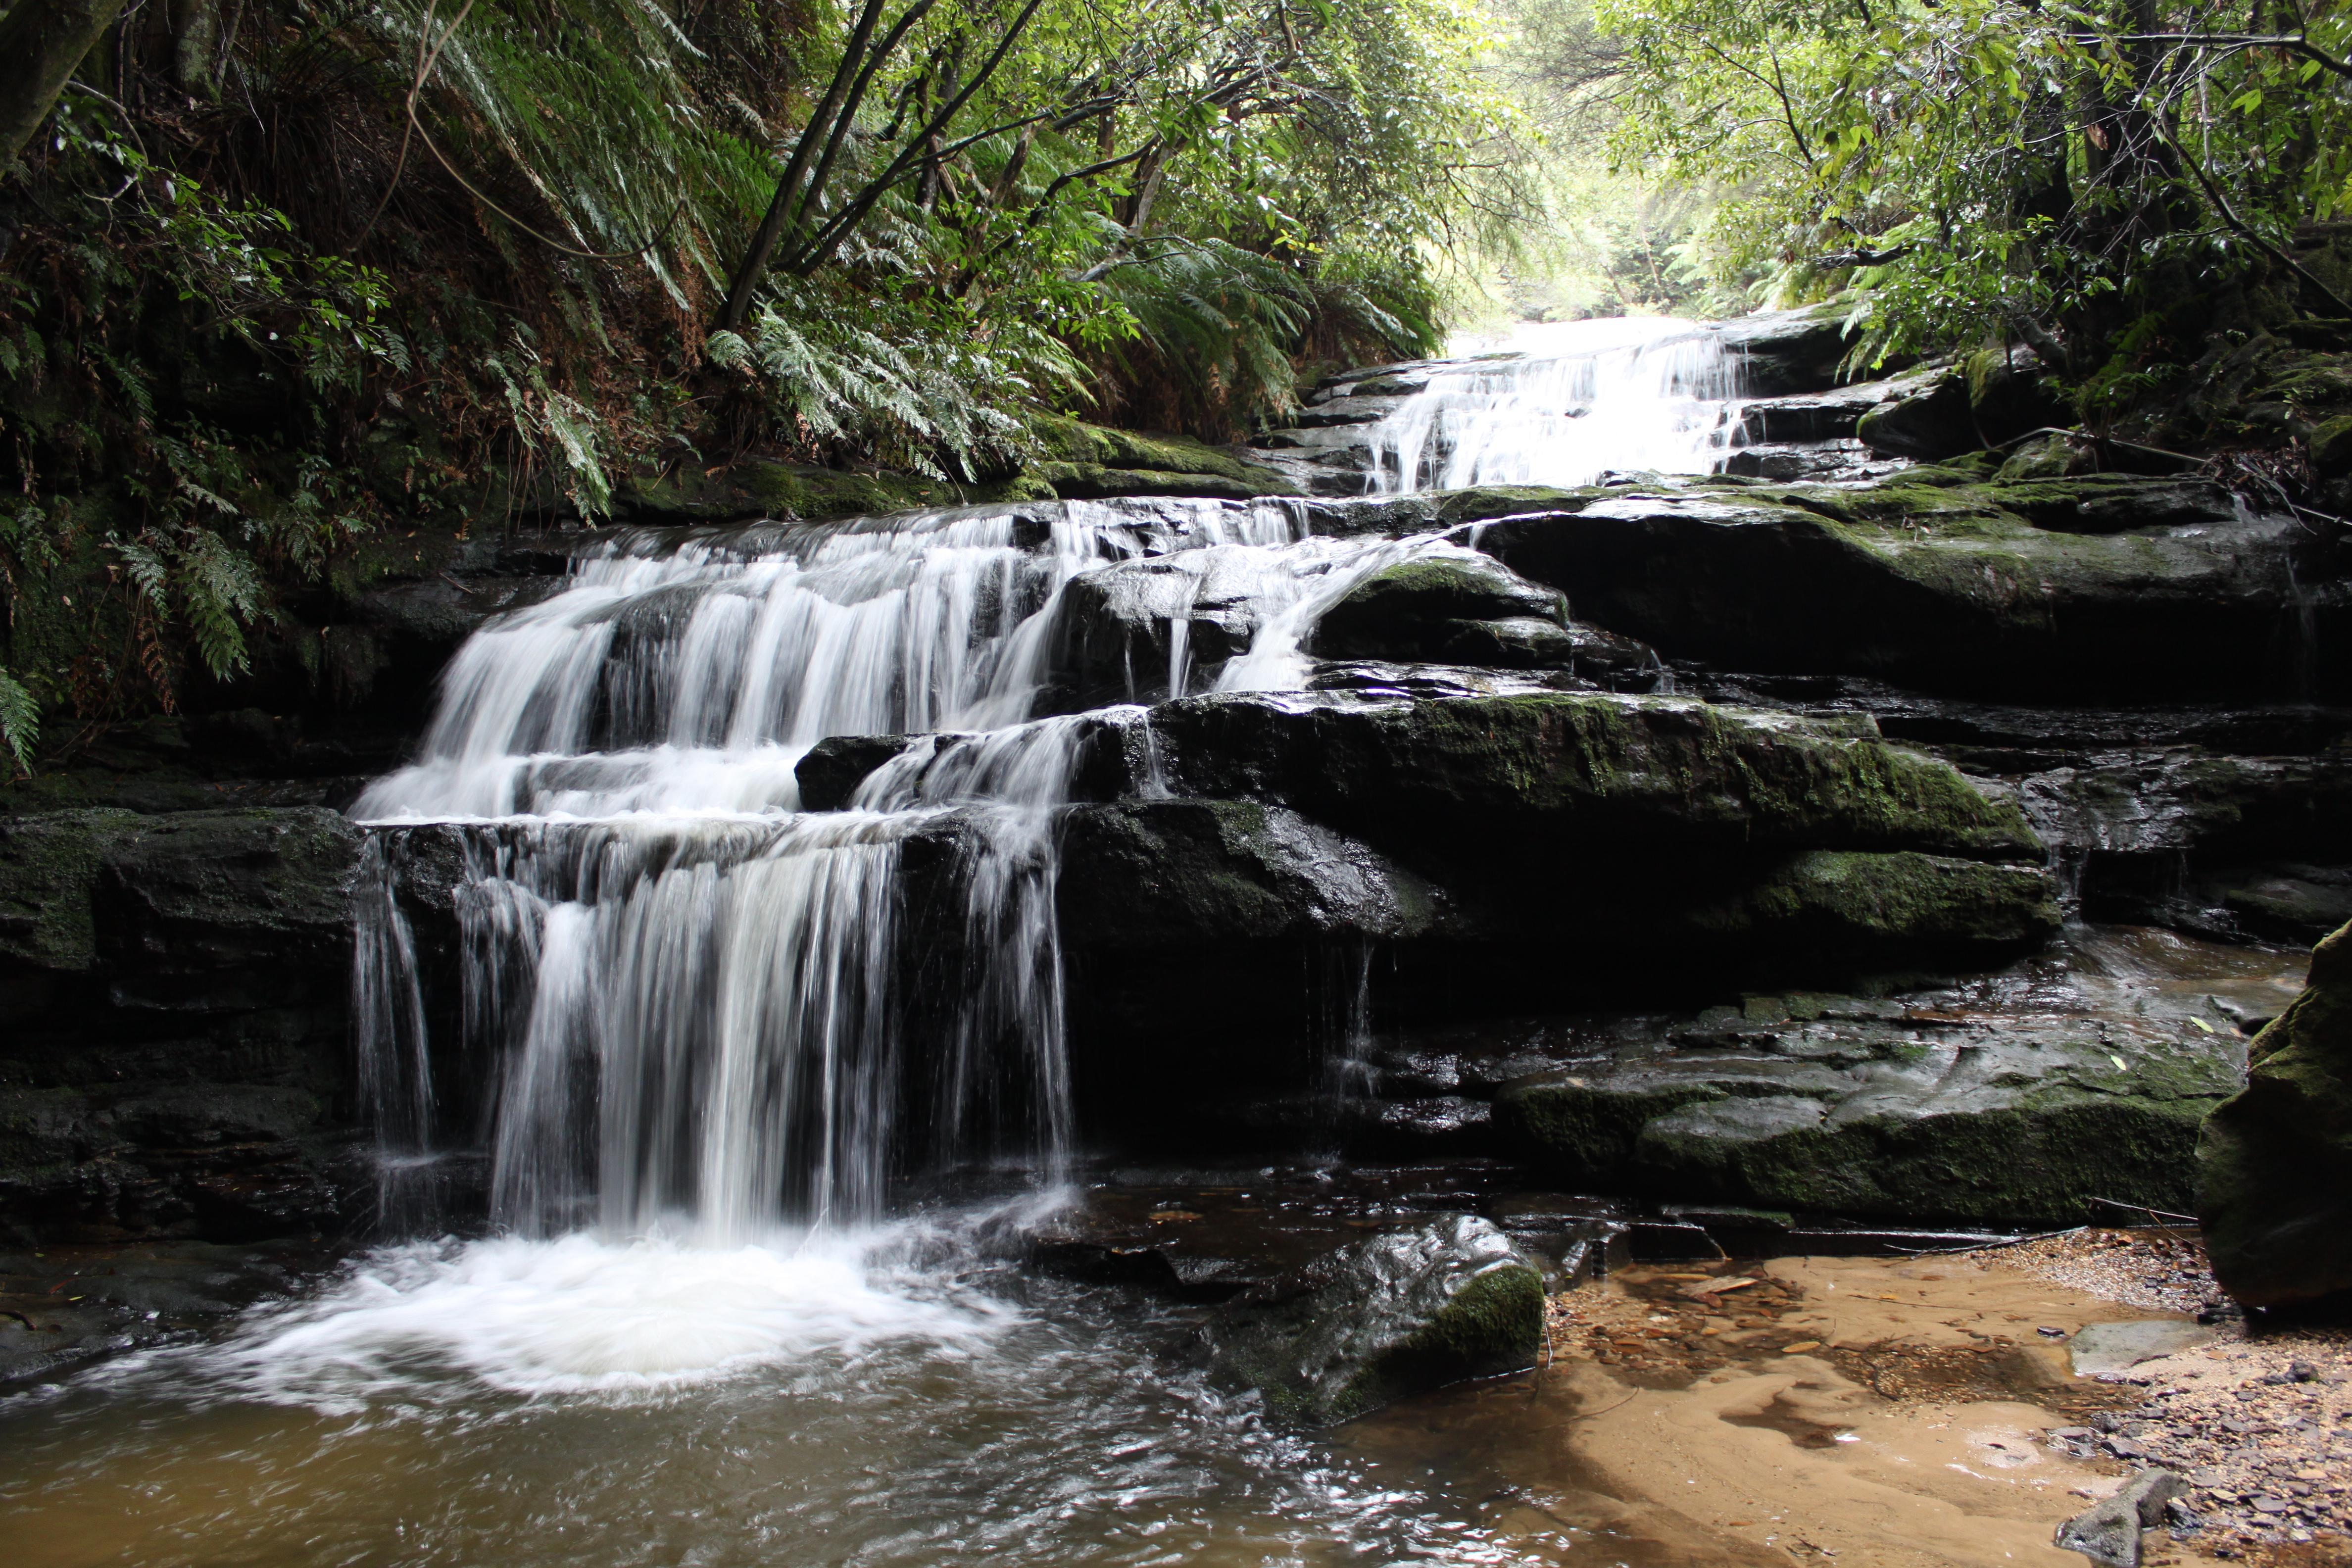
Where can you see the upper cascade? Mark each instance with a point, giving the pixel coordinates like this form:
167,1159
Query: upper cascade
1564,402
703,1002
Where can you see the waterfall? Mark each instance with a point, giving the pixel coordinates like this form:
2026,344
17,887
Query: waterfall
693,1003
1566,403
683,1003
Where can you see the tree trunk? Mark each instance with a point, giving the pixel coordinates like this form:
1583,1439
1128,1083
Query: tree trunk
41,42
197,23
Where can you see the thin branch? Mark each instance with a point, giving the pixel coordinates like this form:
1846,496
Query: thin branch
425,62
2229,214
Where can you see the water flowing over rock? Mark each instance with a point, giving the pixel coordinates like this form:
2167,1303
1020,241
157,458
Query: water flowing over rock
1570,403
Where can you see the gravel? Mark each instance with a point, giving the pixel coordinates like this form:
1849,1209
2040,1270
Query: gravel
2259,1422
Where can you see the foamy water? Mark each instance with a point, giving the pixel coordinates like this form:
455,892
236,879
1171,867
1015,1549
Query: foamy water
1564,403
582,1315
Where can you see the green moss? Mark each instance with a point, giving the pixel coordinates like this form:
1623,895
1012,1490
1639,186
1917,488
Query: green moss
2274,1161
1483,502
1905,898
1494,1323
2331,446
1072,447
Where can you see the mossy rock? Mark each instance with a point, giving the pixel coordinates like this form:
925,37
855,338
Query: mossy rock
1085,458
1632,770
1439,607
2331,446
2274,1161
2096,587
1901,902
2025,1126
1383,1319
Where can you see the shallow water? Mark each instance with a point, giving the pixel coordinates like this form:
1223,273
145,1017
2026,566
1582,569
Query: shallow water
888,1396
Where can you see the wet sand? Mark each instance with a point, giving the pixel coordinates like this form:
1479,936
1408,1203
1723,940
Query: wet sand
1850,1411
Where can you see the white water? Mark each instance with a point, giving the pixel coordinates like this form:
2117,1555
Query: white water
691,1001
578,1315
1566,403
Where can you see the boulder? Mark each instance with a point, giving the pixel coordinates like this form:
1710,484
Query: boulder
1865,1110
2105,587
834,768
1082,461
1454,607
2274,1161
1529,773
1929,418
176,995
1390,1316
1784,352
2108,1532
1156,876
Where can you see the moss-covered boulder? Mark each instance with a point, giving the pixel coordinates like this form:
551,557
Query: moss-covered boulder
2274,1161
1859,902
1590,770
2025,1125
1078,461
2095,586
1393,1315
1451,607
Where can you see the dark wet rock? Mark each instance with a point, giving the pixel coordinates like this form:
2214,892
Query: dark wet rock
1467,609
1929,418
2108,586
1987,400
1839,461
1115,640
1389,1316
1157,876
63,1306
2108,1047
2108,1532
2274,1162
1785,351
1813,416
2292,903
2023,1129
834,768
177,994
2186,837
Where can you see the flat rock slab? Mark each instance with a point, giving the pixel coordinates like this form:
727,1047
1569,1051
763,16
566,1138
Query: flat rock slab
2114,1347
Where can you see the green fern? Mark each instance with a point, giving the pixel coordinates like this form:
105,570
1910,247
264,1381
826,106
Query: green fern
20,720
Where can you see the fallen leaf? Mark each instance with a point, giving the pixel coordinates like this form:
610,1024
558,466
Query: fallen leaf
1801,1347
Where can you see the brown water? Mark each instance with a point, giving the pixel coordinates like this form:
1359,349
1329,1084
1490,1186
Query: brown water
885,1399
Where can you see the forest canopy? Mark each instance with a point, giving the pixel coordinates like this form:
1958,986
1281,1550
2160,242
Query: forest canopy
276,276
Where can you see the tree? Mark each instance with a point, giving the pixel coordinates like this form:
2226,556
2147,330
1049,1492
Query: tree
2074,175
41,43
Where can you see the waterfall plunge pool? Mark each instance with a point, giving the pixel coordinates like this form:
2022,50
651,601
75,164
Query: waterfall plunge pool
887,1395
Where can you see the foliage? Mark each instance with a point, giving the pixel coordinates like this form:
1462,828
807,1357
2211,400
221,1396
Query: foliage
336,265
2085,177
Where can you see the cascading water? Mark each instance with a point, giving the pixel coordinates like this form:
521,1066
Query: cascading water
692,997
1566,403
696,1029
